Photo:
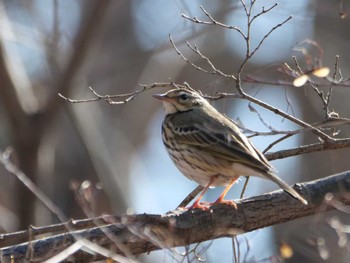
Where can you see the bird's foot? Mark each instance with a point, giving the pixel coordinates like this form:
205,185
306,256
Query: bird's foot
197,205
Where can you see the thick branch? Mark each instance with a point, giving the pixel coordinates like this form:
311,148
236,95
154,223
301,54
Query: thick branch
136,234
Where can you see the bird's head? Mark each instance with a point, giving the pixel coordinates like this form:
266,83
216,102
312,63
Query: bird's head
177,100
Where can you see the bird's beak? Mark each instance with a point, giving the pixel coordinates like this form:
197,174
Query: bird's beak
162,97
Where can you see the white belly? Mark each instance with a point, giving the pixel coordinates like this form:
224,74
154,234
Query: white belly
208,167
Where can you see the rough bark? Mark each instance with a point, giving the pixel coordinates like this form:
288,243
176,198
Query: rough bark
136,234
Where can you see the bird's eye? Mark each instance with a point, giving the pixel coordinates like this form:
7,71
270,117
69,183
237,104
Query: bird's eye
184,96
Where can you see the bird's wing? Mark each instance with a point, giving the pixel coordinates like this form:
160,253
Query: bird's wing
225,142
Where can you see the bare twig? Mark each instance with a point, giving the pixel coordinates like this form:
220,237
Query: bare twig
123,98
249,53
212,22
329,143
268,34
215,71
244,186
330,90
263,11
191,196
277,141
12,169
331,122
8,239
265,105
252,79
234,241
252,109
310,148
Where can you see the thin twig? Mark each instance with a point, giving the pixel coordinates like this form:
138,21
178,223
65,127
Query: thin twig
265,105
124,98
268,34
276,142
252,79
215,70
14,170
252,109
310,148
244,187
212,22
263,11
191,196
234,250
330,90
11,168
108,98
249,53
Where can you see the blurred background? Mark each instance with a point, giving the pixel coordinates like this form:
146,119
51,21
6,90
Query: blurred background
94,158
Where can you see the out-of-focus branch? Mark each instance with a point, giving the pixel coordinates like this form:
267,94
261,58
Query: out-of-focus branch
14,170
8,97
26,143
22,91
83,40
144,233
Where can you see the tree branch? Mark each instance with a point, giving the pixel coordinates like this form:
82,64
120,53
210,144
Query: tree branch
267,106
143,233
310,148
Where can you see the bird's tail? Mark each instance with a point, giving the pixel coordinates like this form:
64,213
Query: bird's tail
271,176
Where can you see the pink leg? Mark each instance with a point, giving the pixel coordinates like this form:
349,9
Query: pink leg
221,200
197,203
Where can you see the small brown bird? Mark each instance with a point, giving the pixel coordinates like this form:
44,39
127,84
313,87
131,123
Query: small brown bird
208,148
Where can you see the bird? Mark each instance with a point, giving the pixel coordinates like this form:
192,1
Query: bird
209,148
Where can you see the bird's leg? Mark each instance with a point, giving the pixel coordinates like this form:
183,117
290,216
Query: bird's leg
221,200
197,203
